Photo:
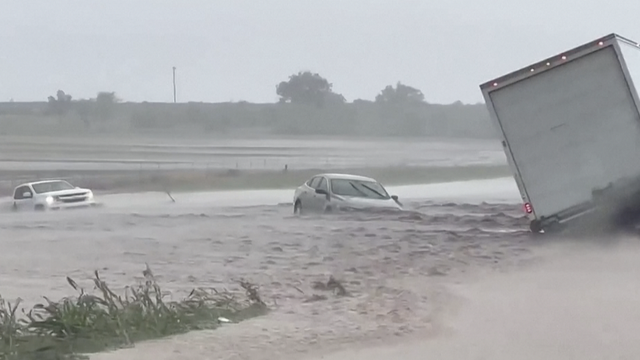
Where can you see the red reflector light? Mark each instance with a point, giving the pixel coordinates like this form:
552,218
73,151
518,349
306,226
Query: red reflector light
527,208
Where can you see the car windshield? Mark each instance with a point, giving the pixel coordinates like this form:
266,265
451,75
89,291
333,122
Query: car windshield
50,186
358,188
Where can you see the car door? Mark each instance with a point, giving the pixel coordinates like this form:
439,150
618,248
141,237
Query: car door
308,191
320,200
23,197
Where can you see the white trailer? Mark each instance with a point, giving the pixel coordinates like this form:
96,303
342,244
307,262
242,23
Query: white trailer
570,128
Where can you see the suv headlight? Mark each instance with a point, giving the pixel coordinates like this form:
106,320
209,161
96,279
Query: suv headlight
90,195
49,200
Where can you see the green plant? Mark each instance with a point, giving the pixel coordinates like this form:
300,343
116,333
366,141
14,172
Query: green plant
90,322
11,328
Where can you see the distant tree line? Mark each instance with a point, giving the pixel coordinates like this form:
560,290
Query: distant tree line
101,108
307,105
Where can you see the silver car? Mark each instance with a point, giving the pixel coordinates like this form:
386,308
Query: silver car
329,192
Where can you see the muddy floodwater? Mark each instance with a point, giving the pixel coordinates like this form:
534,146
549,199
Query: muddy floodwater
456,275
376,255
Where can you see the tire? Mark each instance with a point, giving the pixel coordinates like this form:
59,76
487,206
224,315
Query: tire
553,228
14,207
39,207
535,227
297,208
328,210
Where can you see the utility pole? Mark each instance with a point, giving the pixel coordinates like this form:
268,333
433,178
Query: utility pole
174,85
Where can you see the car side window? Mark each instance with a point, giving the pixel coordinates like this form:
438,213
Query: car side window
313,183
323,184
19,191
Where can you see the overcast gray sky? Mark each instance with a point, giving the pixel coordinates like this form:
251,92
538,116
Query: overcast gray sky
240,49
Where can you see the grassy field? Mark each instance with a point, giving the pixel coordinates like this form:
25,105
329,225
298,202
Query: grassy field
200,180
101,320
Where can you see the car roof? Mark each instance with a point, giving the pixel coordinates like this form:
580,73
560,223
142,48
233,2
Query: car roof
38,182
331,176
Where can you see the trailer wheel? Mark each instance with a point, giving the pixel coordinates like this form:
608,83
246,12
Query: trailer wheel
535,227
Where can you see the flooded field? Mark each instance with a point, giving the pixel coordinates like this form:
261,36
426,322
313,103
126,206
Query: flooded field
270,154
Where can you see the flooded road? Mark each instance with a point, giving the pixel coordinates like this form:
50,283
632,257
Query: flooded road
578,302
204,236
456,275
210,240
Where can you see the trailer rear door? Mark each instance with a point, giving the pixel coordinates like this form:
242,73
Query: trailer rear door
570,129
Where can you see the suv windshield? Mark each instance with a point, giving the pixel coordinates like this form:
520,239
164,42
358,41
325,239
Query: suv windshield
50,186
358,188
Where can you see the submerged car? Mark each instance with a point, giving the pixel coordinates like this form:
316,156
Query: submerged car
329,192
50,195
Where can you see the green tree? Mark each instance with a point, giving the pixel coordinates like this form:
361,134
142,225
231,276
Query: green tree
401,94
307,88
105,105
60,104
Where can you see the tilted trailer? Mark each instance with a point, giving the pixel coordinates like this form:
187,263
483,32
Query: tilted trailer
570,129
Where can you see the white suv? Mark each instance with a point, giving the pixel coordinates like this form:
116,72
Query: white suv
50,195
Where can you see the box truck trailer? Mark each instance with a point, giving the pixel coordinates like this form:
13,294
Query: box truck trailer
570,129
